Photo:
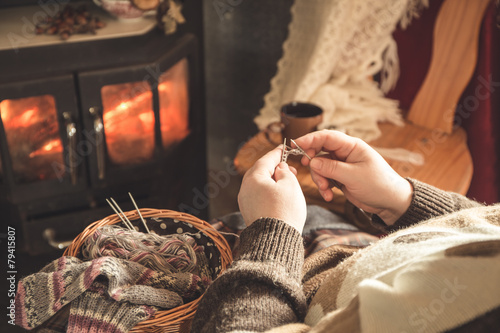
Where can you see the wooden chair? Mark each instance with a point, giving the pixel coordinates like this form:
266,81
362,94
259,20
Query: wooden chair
429,126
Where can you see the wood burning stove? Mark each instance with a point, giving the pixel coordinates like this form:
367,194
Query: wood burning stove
81,122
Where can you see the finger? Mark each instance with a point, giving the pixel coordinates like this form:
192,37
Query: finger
305,159
333,183
332,141
293,170
284,174
267,163
327,194
324,186
339,171
320,181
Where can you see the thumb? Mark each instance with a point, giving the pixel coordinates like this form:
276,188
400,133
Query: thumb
283,173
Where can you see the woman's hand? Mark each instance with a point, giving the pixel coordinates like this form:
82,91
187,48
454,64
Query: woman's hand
271,189
364,176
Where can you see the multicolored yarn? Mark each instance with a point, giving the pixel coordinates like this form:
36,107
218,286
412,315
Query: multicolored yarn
106,294
165,253
124,278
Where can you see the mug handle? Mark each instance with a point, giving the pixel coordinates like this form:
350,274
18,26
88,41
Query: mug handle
273,130
98,2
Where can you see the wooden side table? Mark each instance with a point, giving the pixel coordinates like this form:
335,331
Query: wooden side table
447,163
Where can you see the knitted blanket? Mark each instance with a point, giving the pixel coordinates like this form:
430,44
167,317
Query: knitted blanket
106,294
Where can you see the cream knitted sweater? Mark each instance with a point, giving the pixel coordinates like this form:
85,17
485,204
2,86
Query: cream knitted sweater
439,271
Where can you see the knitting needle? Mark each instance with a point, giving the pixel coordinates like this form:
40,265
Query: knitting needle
284,155
138,211
300,149
118,214
121,218
124,216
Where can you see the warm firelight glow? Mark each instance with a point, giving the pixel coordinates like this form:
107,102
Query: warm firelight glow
25,119
123,109
32,131
27,116
174,104
52,147
165,87
128,122
147,119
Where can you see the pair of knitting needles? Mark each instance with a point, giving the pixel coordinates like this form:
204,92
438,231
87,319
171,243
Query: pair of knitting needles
287,150
124,219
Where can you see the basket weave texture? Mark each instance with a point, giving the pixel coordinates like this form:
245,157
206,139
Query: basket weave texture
162,221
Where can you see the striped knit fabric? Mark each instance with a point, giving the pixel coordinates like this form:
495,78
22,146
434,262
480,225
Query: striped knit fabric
322,230
104,295
324,238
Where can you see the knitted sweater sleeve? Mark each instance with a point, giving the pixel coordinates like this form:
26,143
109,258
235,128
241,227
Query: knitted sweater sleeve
427,202
262,288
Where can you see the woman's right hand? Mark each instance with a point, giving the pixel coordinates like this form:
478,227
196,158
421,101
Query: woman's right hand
270,189
366,179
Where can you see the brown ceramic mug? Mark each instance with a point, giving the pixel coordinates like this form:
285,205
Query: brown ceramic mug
299,119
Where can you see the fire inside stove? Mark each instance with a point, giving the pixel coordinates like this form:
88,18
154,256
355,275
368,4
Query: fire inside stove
128,122
33,138
129,118
174,103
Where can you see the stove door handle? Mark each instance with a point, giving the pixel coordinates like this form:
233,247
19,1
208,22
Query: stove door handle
71,135
99,142
50,236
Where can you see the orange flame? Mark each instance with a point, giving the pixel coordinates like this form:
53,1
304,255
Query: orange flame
174,111
122,119
25,119
52,147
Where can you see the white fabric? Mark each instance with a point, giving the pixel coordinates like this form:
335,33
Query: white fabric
333,49
400,291
434,294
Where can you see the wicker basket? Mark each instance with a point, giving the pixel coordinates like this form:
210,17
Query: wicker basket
165,222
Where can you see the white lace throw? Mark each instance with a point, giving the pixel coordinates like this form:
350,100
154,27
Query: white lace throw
333,49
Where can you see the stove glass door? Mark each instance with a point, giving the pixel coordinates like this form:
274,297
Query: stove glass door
33,138
129,121
173,93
